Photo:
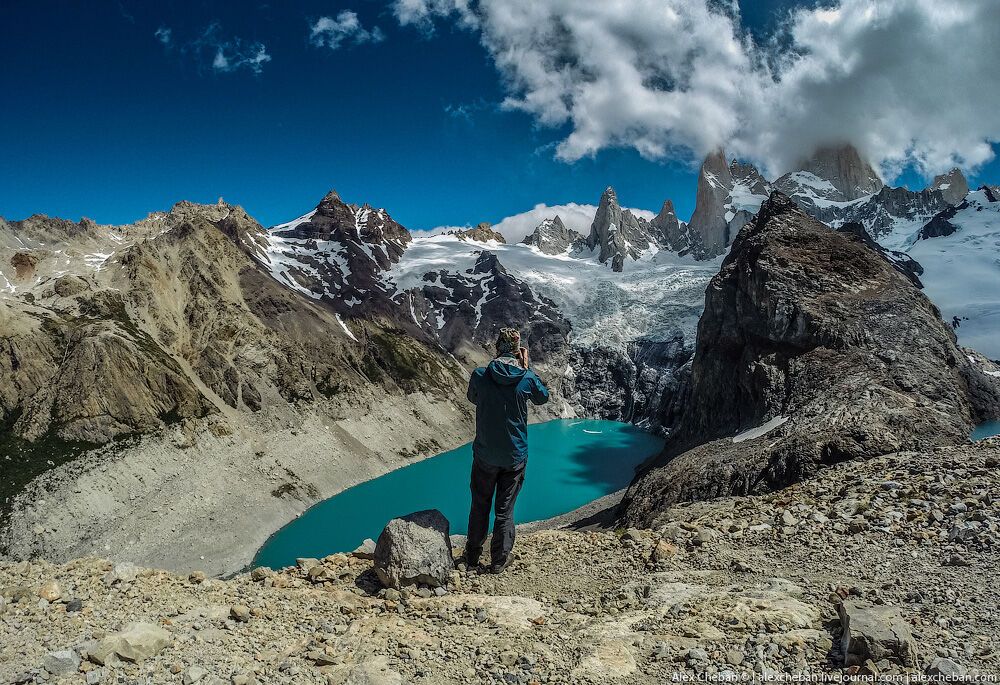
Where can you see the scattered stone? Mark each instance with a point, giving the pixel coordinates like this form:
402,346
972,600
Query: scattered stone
197,577
63,662
695,656
50,591
875,633
634,535
664,550
194,674
415,549
137,642
703,536
121,573
104,653
240,613
788,519
73,606
307,563
942,666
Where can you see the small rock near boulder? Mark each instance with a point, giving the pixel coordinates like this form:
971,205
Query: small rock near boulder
413,549
943,666
239,612
366,550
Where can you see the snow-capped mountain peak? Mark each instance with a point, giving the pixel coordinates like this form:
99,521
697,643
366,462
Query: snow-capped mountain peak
336,251
553,238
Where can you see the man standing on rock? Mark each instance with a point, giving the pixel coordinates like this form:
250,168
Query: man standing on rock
500,391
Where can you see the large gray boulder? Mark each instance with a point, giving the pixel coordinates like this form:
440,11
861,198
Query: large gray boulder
415,549
136,643
876,633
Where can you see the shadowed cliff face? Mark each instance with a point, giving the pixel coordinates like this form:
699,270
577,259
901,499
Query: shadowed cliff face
813,330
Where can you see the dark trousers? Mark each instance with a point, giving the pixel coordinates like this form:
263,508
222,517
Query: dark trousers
505,484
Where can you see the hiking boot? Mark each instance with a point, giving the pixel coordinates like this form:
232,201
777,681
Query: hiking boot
472,557
499,566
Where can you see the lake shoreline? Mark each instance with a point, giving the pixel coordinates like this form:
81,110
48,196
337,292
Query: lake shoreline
573,465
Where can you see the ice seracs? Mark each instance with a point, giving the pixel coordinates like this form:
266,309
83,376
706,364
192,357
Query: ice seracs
959,251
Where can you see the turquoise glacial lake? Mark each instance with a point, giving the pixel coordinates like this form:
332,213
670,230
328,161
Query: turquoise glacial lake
985,430
570,463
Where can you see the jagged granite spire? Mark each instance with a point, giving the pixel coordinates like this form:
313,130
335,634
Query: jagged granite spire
709,225
953,186
845,169
617,232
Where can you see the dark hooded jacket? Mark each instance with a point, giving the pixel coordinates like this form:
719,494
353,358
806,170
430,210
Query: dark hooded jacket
501,392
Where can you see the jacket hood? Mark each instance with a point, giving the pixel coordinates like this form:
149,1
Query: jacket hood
503,373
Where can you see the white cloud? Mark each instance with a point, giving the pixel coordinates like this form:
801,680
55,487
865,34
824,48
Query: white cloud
164,35
904,80
575,216
233,55
907,81
423,13
222,54
332,33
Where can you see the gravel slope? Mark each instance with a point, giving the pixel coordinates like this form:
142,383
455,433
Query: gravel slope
737,585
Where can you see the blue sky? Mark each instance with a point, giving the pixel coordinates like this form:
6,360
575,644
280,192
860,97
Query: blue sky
105,118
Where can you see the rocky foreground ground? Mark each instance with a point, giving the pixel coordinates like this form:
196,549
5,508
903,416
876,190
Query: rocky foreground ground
904,547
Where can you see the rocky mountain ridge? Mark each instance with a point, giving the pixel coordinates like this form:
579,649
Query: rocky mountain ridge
836,185
553,238
814,348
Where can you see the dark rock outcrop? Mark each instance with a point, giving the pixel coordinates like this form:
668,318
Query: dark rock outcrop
482,233
952,185
901,261
643,384
941,224
820,344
